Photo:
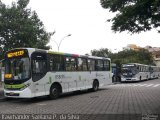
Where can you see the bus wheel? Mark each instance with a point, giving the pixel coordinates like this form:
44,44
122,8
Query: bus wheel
95,85
54,92
114,79
140,78
147,78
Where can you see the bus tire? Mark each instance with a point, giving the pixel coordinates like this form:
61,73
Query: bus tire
140,78
54,92
114,79
95,85
147,78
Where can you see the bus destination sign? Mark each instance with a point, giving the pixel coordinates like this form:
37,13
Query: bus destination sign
8,76
16,53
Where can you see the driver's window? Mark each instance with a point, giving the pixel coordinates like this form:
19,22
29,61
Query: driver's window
39,65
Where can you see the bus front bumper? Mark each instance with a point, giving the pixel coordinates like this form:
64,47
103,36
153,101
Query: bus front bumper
129,79
26,93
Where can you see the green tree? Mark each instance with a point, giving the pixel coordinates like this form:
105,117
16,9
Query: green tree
103,52
130,56
134,15
21,27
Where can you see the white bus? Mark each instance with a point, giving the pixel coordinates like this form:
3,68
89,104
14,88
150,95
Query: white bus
31,72
155,72
135,72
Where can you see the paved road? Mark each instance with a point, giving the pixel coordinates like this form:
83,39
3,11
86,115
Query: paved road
118,101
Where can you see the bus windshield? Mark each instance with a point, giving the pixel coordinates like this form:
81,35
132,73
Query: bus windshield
17,68
128,70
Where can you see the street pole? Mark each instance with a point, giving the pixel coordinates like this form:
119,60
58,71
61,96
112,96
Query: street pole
59,44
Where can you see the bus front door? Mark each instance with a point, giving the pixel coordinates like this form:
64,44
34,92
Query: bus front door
39,71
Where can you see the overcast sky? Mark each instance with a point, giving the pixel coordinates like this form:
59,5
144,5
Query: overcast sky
85,20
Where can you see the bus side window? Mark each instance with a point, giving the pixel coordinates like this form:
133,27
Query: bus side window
82,64
91,64
70,64
79,64
99,65
56,63
106,65
51,67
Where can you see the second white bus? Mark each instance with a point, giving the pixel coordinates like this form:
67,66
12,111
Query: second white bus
154,72
134,72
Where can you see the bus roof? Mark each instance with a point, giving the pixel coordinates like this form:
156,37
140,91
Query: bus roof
60,53
77,55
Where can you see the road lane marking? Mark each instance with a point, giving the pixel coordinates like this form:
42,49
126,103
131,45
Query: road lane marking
156,85
143,85
138,85
149,85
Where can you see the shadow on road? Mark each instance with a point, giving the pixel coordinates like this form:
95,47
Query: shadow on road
46,98
127,82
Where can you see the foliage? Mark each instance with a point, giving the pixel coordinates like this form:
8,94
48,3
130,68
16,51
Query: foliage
134,15
21,27
130,56
126,56
103,52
